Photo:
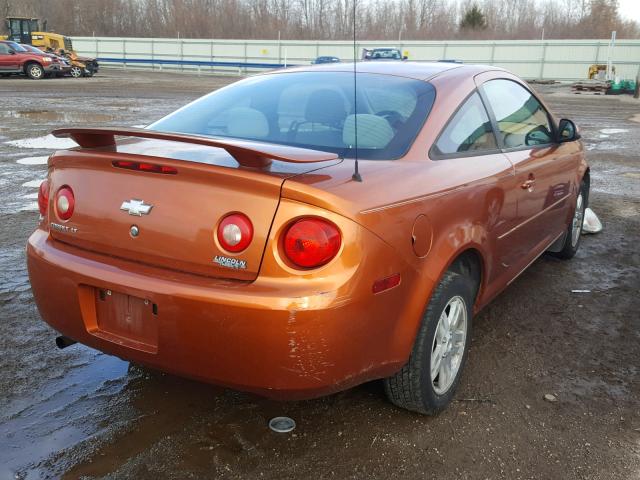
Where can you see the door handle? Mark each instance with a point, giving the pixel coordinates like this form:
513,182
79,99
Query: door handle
529,183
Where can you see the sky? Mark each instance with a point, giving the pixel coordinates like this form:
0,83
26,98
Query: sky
630,9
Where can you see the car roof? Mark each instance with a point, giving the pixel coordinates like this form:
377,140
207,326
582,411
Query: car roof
414,70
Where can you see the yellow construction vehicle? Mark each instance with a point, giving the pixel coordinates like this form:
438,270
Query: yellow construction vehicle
599,71
27,30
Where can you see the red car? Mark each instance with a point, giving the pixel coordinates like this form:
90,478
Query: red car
238,242
17,59
65,65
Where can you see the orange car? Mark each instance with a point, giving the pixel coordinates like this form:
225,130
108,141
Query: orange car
238,241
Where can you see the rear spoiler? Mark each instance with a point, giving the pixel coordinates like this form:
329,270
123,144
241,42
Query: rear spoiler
246,152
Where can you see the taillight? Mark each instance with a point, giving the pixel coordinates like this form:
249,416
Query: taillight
145,167
43,198
312,242
65,203
235,232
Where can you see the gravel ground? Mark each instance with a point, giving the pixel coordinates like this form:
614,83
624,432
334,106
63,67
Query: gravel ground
78,413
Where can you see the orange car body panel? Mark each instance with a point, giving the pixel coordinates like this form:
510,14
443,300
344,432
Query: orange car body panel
273,329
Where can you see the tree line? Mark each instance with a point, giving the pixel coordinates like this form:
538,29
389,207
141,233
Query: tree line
330,19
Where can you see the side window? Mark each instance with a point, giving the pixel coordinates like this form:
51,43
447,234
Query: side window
4,49
469,130
522,120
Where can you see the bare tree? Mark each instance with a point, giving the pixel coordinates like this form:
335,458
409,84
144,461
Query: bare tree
327,19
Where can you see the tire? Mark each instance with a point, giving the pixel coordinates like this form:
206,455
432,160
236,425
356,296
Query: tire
574,230
34,71
413,387
75,72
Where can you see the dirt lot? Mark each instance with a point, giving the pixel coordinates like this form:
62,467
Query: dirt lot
79,413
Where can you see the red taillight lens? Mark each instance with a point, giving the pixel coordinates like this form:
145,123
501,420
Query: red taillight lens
235,232
145,167
65,203
43,198
312,242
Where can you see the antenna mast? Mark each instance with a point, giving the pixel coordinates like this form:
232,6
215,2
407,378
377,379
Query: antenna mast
356,174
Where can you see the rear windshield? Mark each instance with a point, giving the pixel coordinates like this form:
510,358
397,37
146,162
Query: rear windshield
313,110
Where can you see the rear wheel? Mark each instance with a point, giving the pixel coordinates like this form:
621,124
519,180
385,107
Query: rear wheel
427,383
34,71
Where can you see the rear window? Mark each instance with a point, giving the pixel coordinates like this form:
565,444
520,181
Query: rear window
313,110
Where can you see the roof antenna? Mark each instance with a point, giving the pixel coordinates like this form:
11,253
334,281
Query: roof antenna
356,174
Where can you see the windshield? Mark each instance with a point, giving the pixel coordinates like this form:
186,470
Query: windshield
313,110
17,47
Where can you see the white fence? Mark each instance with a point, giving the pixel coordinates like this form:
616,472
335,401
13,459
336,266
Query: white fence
552,59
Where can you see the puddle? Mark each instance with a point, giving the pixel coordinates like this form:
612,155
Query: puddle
57,116
29,207
613,131
46,142
33,160
33,183
60,415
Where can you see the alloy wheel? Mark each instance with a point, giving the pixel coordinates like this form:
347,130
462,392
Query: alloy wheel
448,345
35,71
578,218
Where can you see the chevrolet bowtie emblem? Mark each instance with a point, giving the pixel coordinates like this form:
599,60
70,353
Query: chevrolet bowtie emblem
136,207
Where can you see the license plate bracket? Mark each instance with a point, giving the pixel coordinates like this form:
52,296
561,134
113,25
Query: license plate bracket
126,319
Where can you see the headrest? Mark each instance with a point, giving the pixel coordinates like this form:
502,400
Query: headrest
325,106
373,131
247,122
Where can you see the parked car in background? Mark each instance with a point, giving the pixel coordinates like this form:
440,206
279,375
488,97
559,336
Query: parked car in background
325,59
80,66
65,66
310,237
15,59
382,54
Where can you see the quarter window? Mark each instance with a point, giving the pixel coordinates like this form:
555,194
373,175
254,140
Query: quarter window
522,120
468,131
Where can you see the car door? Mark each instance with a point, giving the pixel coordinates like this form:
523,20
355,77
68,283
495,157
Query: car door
8,61
469,142
526,135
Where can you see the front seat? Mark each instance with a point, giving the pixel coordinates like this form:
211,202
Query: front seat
324,107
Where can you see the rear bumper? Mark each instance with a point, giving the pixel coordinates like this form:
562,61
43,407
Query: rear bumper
247,336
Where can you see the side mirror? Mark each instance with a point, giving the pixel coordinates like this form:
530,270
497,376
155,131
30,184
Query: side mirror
12,52
567,131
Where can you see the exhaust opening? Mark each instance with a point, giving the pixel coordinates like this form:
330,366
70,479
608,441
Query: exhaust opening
64,342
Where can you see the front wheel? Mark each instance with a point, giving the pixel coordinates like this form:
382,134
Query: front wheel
76,72
574,231
427,383
35,71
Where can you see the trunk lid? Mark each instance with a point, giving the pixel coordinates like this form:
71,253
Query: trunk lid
179,230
